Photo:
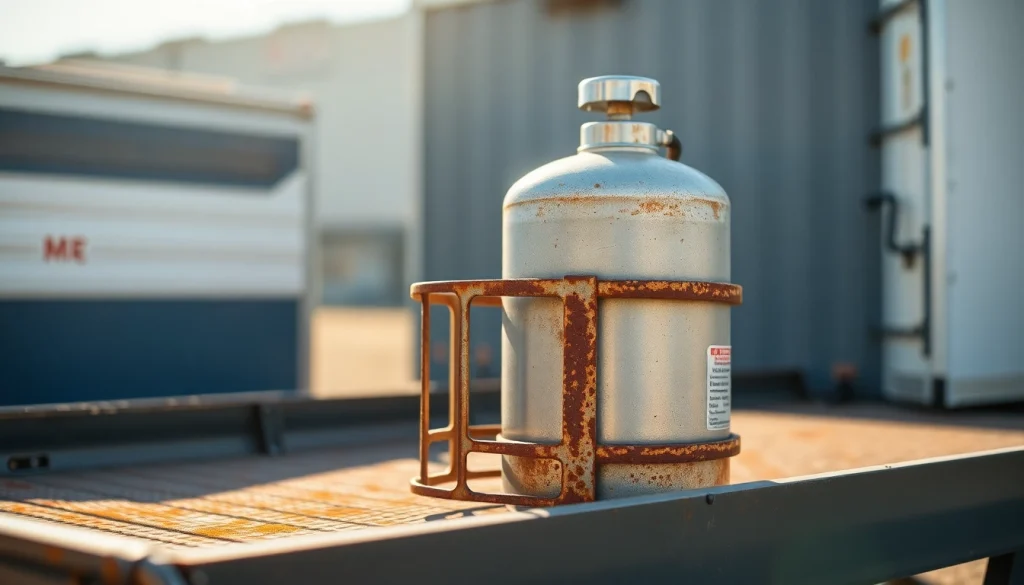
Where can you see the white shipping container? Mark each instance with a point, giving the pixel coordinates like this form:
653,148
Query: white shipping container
160,221
953,166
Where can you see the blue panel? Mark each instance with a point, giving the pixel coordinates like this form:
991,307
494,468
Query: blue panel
76,350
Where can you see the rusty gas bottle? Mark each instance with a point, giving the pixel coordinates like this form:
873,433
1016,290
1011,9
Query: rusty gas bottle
620,211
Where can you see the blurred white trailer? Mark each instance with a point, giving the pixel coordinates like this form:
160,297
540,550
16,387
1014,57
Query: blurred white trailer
952,145
154,235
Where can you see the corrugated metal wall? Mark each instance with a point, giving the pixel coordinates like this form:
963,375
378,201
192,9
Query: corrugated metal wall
773,98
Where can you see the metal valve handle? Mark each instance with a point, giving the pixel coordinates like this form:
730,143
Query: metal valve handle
621,96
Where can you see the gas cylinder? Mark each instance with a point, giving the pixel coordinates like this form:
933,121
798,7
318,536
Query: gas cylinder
618,209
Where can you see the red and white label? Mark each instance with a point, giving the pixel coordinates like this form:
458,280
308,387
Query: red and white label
719,387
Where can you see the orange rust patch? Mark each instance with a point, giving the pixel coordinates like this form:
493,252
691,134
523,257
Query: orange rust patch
53,554
658,454
110,572
665,289
534,476
723,473
239,529
716,206
655,206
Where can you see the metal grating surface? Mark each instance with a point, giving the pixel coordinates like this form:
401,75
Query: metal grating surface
255,498
237,500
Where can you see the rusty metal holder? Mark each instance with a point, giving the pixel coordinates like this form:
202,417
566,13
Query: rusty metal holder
578,452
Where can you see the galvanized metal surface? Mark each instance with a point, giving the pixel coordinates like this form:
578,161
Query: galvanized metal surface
773,99
543,473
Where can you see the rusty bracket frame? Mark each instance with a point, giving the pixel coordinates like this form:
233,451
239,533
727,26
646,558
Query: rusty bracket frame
578,451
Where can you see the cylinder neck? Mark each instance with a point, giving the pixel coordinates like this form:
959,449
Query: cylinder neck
620,134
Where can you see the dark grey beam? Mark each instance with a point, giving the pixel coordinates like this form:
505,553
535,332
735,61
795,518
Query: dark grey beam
1006,569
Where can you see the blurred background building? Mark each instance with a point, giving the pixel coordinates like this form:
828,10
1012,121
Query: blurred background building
366,80
426,118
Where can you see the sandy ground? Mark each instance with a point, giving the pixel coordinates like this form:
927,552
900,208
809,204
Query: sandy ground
360,352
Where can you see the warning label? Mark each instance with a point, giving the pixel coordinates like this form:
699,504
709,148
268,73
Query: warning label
719,387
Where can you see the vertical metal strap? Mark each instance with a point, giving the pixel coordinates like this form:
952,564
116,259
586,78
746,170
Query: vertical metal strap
455,397
461,420
579,390
424,386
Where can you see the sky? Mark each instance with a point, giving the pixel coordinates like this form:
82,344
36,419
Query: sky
36,31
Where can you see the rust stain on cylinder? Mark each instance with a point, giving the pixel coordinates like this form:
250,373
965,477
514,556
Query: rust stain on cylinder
658,206
716,206
533,476
617,480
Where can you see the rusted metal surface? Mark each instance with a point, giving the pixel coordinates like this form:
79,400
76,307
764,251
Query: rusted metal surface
718,292
574,463
669,453
579,390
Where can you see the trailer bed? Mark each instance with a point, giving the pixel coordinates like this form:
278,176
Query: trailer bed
355,478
